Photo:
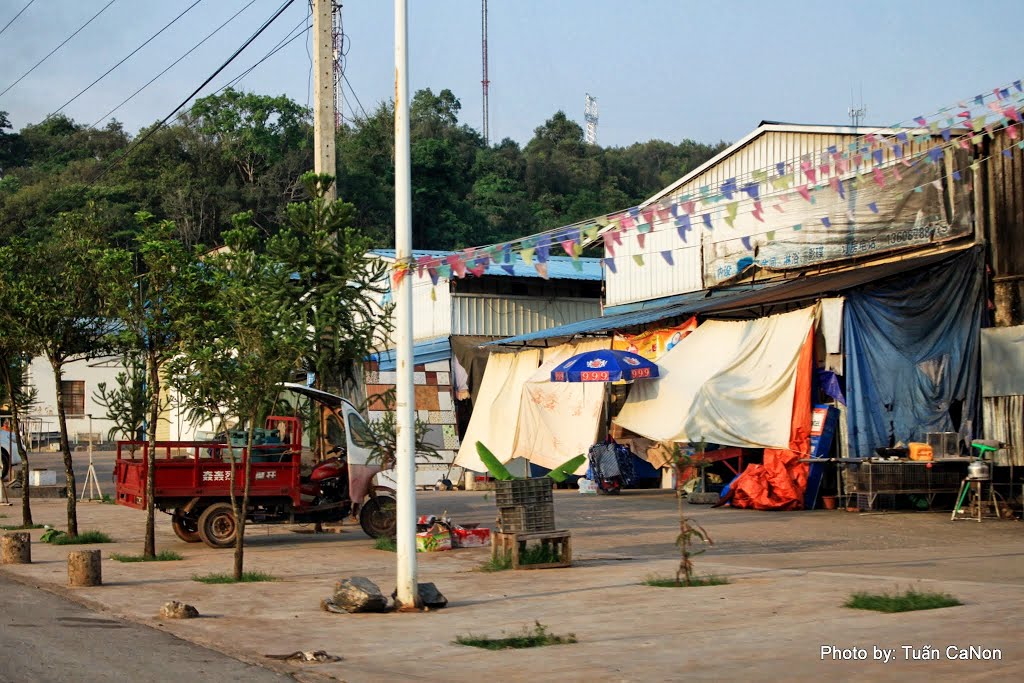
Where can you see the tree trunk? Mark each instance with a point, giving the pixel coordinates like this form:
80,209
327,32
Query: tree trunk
240,514
149,545
65,447
26,505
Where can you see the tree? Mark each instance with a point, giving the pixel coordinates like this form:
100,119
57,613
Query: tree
145,289
52,304
324,276
126,403
235,349
14,357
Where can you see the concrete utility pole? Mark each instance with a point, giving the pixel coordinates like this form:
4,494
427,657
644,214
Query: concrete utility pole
405,402
323,91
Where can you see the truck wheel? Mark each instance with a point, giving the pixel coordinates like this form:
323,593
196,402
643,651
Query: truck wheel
186,527
378,518
217,526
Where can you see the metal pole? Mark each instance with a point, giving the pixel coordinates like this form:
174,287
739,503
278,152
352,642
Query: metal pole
323,91
405,467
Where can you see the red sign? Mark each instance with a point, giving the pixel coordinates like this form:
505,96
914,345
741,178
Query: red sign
592,376
640,373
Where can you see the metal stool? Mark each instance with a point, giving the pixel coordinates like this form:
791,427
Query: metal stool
978,473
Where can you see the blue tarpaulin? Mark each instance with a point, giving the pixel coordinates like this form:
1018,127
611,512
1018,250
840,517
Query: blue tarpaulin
912,345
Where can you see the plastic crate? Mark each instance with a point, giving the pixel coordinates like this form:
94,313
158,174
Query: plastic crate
523,491
526,519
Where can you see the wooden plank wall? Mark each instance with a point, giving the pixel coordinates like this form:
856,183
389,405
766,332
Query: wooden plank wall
1003,218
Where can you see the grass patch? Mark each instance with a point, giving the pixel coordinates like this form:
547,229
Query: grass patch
385,543
21,527
162,556
497,563
84,538
538,637
247,577
671,582
908,601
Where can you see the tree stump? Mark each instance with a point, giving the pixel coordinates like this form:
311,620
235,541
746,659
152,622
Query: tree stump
84,568
16,548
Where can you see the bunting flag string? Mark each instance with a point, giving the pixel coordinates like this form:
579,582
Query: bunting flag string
877,155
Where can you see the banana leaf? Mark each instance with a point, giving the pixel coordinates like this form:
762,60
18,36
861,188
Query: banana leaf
562,472
492,463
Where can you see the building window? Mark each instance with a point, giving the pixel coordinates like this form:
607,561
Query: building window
74,398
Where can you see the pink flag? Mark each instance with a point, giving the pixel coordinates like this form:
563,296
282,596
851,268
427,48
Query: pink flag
648,215
568,246
542,269
778,207
617,236
804,192
841,165
627,222
834,182
640,239
879,178
1012,132
458,265
609,243
689,206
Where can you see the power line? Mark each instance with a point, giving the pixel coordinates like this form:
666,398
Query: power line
16,16
353,91
63,43
126,58
174,63
135,145
281,44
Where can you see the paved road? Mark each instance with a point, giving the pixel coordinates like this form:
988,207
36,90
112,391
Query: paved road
103,461
45,638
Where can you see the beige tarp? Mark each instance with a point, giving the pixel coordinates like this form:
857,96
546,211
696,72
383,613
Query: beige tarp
559,420
496,407
728,382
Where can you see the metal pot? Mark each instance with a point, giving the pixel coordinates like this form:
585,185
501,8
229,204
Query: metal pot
979,469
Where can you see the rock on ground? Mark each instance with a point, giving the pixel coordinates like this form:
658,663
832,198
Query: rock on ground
356,594
430,597
178,610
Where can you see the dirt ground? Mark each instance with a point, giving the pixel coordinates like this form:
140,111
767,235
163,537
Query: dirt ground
790,574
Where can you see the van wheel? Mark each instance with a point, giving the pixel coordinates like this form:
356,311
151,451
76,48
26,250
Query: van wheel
186,527
378,518
217,526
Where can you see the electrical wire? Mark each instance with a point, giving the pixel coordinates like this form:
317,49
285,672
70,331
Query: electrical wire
125,59
352,90
16,16
54,50
281,44
174,63
149,133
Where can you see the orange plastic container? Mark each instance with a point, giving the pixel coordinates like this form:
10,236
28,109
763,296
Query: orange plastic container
920,451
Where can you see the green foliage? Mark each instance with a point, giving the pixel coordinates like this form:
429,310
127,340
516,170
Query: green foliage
689,531
493,465
385,543
562,472
162,556
498,562
381,437
908,601
677,582
539,636
247,577
126,403
57,537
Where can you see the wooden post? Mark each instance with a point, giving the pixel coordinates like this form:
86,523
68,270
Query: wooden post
16,548
84,568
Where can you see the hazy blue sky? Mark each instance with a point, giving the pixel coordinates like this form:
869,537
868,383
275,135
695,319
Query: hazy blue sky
660,69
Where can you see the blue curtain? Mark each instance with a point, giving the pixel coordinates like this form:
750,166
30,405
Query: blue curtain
912,353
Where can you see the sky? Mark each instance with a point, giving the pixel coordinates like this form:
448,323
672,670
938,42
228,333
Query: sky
660,69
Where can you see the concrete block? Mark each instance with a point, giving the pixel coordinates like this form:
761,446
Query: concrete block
373,377
423,415
387,378
42,477
426,398
375,414
451,436
444,379
438,366
419,378
441,417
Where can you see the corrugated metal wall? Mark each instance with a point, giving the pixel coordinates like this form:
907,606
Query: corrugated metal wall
432,314
506,316
656,278
1004,200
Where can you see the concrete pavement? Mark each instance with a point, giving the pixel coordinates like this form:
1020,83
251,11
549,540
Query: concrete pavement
790,574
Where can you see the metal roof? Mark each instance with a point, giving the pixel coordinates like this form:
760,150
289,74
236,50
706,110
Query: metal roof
559,267
740,297
426,351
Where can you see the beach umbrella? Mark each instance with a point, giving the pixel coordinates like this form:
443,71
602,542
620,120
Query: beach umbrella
604,365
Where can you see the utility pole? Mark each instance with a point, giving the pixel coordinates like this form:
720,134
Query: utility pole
323,91
405,451
485,81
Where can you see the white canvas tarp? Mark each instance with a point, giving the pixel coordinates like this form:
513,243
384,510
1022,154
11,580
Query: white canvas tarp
559,420
497,406
728,382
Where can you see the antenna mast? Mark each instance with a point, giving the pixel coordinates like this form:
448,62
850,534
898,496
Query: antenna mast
590,116
485,82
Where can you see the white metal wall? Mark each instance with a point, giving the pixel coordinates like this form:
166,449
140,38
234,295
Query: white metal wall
506,316
432,314
656,278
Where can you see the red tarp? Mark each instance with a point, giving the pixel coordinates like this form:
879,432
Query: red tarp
779,483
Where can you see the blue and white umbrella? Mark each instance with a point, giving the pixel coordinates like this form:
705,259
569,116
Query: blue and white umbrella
605,365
